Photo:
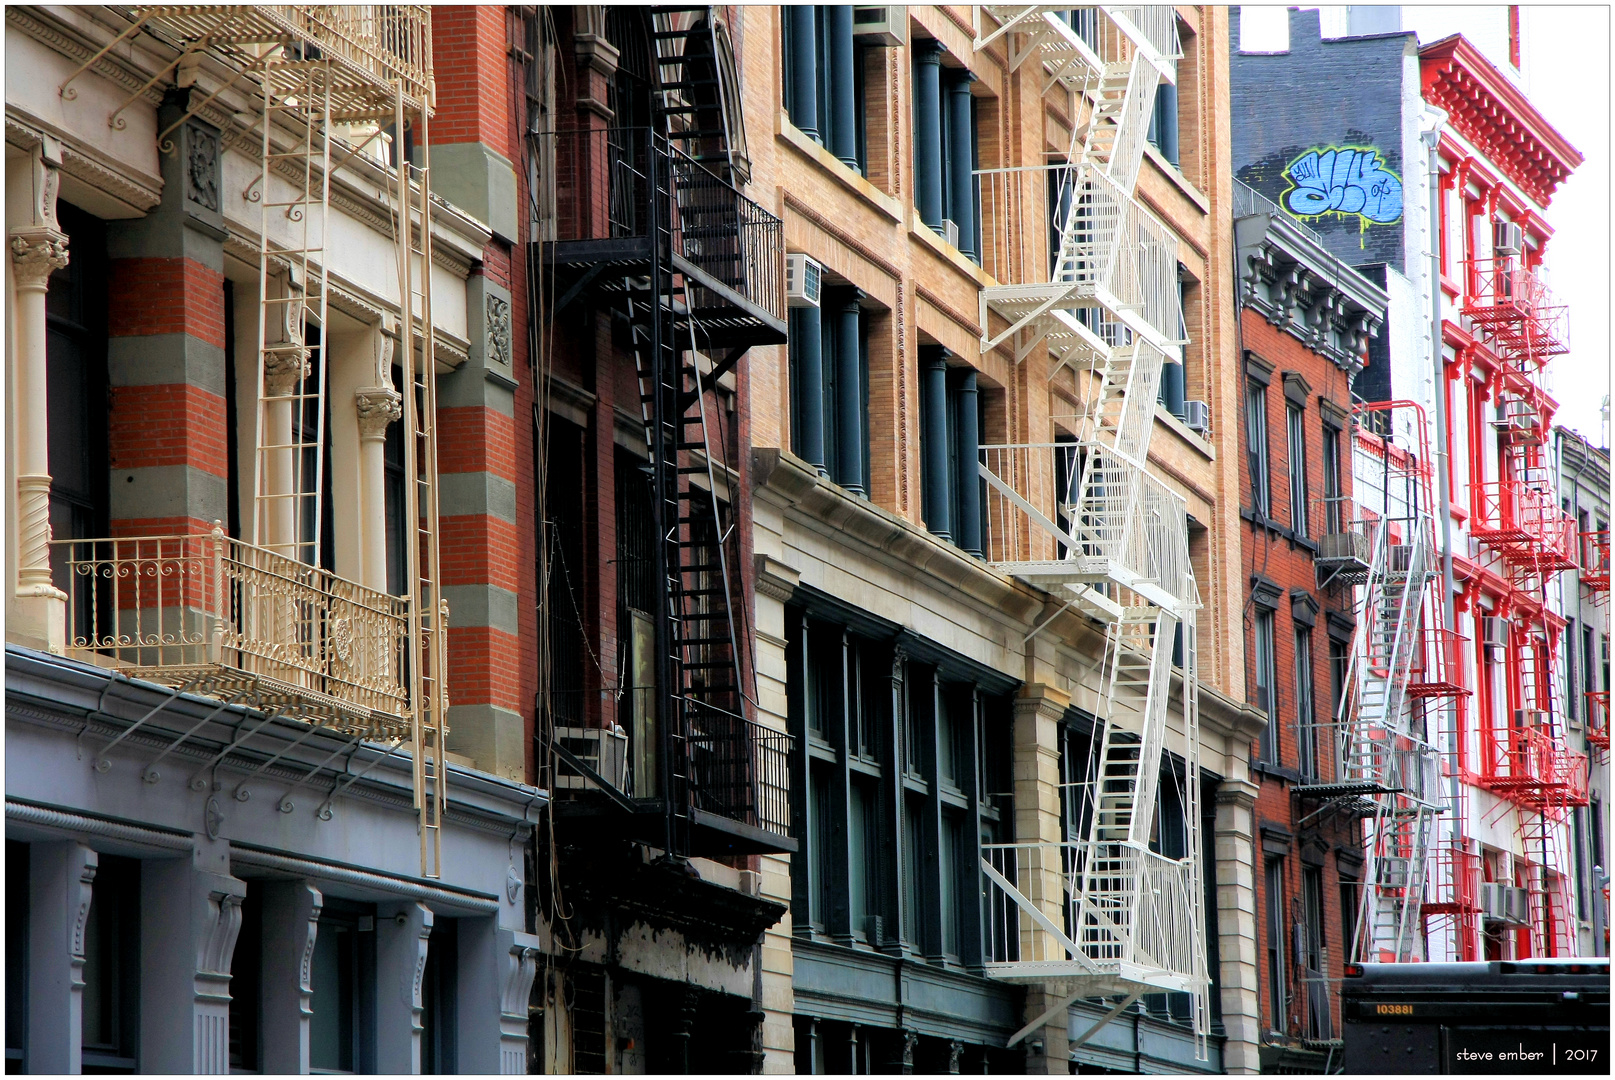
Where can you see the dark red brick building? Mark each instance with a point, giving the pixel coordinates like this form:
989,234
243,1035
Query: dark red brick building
1305,319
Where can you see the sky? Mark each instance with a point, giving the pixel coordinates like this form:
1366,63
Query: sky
1567,78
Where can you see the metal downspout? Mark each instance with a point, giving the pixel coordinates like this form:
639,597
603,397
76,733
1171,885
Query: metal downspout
1431,139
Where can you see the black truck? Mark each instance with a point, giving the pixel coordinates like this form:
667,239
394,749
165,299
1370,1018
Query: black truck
1525,1016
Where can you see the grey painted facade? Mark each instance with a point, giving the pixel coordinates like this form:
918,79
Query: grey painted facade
221,845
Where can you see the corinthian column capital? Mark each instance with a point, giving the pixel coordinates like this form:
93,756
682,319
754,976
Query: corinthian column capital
37,251
378,407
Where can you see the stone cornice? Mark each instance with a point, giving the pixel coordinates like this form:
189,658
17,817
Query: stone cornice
78,699
1303,290
84,163
791,484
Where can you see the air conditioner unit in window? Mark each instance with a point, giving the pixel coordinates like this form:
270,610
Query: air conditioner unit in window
950,231
1507,238
885,25
1493,901
1518,904
1494,631
1530,719
1197,416
1399,558
802,280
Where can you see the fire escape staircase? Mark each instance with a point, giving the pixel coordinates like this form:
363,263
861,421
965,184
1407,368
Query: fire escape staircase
260,623
1099,912
1387,766
687,266
1519,517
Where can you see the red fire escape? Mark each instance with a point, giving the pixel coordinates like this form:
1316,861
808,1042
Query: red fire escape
1524,757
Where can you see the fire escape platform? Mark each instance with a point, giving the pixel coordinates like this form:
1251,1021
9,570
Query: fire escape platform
1050,574
591,817
727,318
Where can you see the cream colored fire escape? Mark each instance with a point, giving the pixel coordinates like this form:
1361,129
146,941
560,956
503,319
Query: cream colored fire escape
1103,912
262,622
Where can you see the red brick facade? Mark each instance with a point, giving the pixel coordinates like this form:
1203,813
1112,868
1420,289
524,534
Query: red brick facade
1280,580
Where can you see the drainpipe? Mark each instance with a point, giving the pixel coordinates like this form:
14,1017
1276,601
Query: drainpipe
1431,139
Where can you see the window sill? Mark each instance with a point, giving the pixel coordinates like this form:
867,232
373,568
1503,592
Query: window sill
1278,772
1181,182
837,169
1196,442
927,235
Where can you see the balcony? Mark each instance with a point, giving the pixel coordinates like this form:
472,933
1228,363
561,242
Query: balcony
1532,768
1112,915
1598,719
1595,560
1437,669
1126,527
1101,250
1454,884
374,49
1514,311
213,615
729,776
1524,525
625,198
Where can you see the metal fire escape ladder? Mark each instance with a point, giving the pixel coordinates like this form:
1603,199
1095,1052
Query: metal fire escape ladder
429,609
289,458
1387,765
701,697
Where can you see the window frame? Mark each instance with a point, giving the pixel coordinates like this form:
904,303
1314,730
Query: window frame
1257,454
1273,894
1296,458
1333,500
112,934
1308,758
1267,682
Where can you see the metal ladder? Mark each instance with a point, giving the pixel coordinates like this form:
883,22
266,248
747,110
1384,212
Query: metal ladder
428,610
289,456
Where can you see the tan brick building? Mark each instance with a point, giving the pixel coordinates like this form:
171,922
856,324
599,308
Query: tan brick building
870,554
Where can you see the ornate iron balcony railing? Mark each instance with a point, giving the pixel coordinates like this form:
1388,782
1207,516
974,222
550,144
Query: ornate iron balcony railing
175,608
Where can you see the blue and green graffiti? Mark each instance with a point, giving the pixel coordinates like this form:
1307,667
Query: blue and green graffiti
1343,180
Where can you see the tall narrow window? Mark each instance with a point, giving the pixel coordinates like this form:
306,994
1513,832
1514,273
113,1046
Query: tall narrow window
76,394
439,998
111,1009
1319,1024
1306,723
343,976
1333,509
1297,451
246,981
1256,447
1276,988
1348,915
17,933
1266,678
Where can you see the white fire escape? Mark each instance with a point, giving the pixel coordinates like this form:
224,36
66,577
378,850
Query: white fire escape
258,621
1102,912
1388,761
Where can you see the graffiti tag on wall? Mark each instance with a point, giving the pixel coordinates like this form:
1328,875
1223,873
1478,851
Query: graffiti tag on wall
1344,180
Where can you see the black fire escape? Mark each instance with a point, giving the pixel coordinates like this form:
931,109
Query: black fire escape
648,226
